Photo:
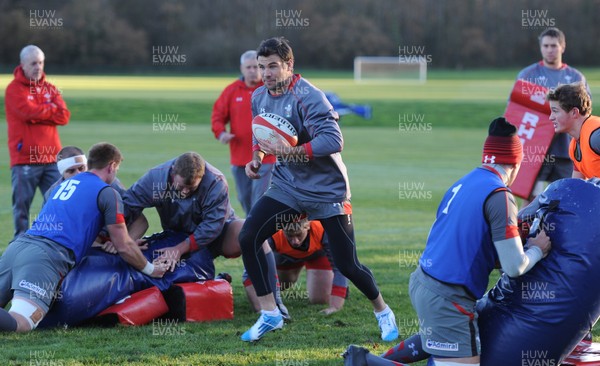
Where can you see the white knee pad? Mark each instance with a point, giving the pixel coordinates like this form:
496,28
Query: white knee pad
32,313
447,363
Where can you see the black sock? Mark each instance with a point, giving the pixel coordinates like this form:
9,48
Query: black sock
7,322
409,350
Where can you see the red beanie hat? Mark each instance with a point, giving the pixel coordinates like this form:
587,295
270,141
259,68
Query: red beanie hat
502,145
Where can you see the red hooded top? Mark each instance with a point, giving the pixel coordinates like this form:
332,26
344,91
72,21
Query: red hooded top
33,110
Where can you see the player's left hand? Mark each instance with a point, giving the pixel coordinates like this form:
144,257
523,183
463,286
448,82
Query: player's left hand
168,257
281,147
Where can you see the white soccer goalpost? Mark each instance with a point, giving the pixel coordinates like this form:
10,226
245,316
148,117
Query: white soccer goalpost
394,69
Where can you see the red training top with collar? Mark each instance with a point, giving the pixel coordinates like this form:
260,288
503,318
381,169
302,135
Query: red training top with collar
585,159
282,246
33,110
233,107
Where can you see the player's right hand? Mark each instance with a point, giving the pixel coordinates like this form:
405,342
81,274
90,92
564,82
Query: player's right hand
252,169
142,243
542,241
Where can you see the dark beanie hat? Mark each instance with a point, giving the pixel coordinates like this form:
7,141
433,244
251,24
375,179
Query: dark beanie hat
502,145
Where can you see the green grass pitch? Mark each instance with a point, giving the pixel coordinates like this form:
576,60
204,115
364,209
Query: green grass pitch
420,140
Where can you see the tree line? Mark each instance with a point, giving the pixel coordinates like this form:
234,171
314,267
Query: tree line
180,36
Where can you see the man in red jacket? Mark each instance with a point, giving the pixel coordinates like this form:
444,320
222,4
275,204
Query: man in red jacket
34,108
233,106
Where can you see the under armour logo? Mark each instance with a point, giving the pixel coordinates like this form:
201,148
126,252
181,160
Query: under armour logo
489,159
414,349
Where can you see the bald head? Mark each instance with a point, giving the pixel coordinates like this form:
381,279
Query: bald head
32,62
248,55
27,51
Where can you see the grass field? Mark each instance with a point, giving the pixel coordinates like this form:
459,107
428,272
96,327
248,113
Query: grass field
397,177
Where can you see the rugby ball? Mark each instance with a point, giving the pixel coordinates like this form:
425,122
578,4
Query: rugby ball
272,128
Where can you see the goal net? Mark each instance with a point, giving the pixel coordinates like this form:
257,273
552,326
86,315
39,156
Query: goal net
373,68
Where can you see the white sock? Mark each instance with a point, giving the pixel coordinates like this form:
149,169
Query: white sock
384,311
273,312
447,363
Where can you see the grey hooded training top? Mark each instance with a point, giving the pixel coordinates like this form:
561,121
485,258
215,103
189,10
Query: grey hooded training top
203,214
321,175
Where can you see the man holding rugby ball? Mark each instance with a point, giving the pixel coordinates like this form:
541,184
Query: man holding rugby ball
309,178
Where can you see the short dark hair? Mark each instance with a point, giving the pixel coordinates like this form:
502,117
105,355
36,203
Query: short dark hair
189,166
102,154
554,33
276,46
68,152
571,96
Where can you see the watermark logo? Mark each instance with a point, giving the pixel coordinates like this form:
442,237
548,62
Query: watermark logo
536,292
413,123
44,19
411,54
294,291
296,90
536,86
536,19
289,222
290,18
42,154
413,191
167,122
412,259
46,89
288,155
536,358
413,326
165,191
47,223
43,290
168,256
168,56
45,358
167,327
534,154
290,358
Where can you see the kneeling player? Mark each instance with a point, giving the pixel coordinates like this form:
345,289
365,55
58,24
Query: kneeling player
303,244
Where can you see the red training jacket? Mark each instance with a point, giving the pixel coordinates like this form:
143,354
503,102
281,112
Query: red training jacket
33,110
233,106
